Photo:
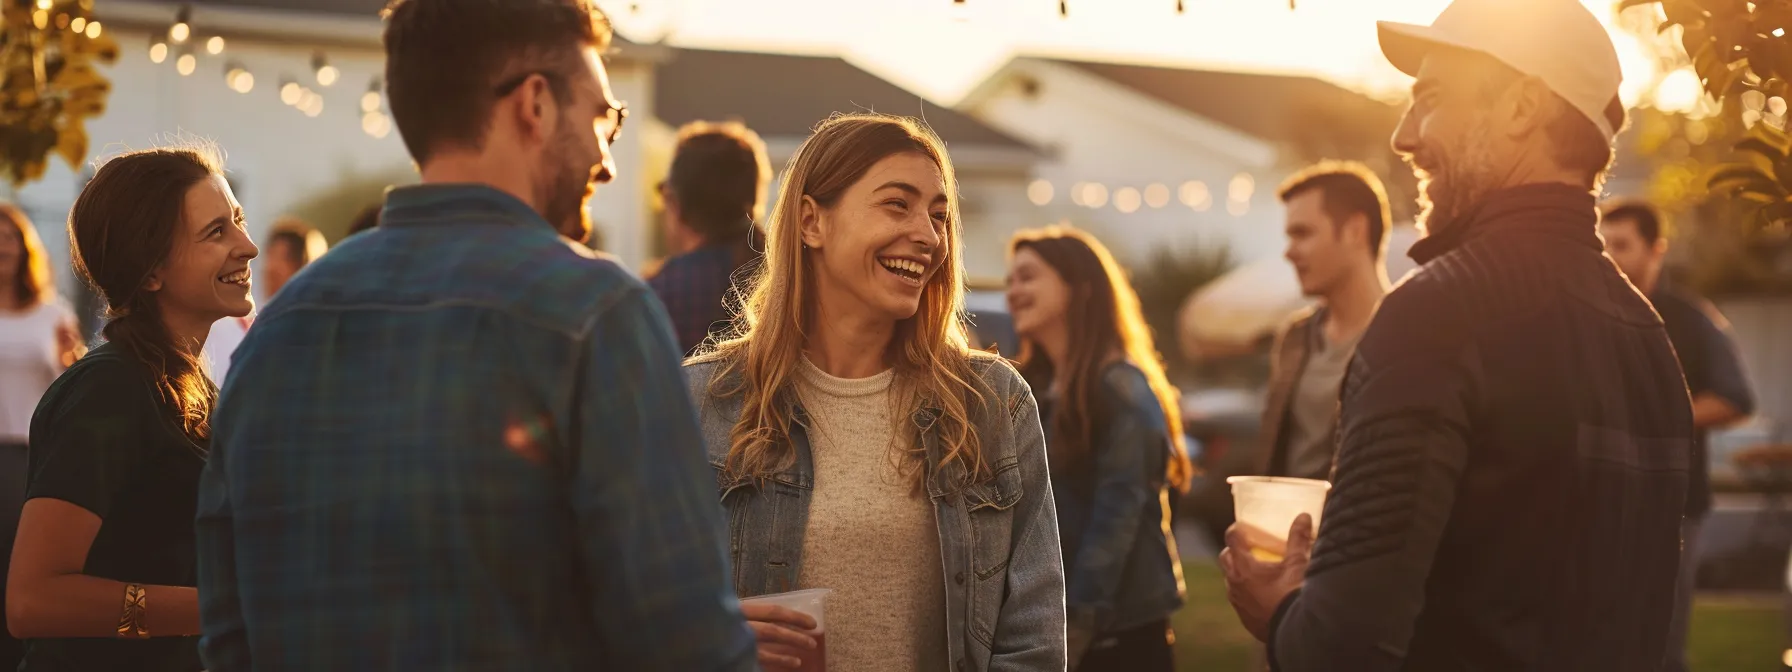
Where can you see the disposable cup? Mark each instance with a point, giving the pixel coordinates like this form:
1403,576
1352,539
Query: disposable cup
814,603
1271,503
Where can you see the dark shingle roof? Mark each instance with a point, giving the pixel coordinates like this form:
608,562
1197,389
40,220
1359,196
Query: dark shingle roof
781,95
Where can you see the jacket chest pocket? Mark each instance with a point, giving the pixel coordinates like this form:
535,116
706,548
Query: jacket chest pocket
990,506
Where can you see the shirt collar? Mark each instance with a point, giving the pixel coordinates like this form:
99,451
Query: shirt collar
424,204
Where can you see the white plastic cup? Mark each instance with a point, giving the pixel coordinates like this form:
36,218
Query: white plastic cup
814,603
1271,503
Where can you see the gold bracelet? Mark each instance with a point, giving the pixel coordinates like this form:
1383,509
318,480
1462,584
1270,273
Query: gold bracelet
130,623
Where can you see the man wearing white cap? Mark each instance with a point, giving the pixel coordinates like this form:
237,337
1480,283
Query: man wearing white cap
1514,432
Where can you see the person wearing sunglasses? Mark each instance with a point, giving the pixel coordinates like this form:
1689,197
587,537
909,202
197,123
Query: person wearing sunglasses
461,440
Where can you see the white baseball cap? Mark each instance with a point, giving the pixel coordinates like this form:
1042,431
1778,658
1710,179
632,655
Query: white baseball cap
1557,41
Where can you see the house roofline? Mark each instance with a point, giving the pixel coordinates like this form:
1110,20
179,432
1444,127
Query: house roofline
310,29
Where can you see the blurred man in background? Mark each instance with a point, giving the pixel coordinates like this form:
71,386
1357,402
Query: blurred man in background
1514,437
1636,239
291,245
1337,225
713,194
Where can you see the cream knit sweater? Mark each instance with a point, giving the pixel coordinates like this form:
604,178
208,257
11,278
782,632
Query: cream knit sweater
869,538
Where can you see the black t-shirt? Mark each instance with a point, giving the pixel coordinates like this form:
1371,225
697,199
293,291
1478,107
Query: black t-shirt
103,439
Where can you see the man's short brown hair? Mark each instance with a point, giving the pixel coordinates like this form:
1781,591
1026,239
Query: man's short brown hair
444,59
718,178
1346,188
303,242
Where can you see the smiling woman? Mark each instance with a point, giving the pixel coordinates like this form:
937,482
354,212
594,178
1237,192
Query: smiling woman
853,380
103,567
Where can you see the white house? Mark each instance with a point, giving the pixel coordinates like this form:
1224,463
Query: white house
1150,156
783,97
278,155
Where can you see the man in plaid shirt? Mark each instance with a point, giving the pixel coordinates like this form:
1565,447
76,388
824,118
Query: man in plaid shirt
461,441
713,193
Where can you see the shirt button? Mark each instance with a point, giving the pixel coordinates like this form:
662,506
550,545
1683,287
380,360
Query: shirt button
959,579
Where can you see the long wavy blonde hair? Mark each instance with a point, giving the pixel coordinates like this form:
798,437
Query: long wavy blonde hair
930,351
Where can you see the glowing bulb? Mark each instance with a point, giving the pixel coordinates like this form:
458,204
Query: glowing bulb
1241,187
41,19
243,82
78,25
44,4
1157,195
1039,192
1077,191
93,30
1193,193
186,64
1126,200
327,75
179,32
376,124
1780,32
215,45
158,52
370,101
1096,195
291,93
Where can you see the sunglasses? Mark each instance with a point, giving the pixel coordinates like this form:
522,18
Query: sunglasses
614,115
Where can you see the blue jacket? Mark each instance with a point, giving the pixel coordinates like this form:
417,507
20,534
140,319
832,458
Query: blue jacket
1004,581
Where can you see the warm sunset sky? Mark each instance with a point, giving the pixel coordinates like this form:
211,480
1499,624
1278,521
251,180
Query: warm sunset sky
940,50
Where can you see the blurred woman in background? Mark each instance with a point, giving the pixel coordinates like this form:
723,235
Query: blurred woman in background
103,566
1115,438
861,445
38,339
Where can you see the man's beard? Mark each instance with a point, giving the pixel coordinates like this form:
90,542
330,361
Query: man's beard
1453,180
568,193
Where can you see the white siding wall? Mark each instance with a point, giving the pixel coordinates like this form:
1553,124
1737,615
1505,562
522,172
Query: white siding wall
1100,132
276,154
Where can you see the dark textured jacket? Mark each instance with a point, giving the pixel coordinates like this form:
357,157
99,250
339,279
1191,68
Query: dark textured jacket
1512,467
1288,359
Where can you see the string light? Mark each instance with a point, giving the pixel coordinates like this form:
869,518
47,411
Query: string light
326,73
1126,200
41,19
44,4
370,101
78,25
158,52
238,78
93,30
312,104
215,45
183,25
186,64
290,92
376,124
1157,195
1040,192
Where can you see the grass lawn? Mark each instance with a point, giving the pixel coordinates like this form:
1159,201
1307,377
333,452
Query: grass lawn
1728,634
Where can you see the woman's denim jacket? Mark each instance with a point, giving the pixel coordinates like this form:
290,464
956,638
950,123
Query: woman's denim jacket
999,539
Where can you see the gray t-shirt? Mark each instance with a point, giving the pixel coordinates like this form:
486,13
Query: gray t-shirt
1313,413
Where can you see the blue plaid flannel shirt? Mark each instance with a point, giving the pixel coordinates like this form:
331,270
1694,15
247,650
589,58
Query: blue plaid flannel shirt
694,286
460,442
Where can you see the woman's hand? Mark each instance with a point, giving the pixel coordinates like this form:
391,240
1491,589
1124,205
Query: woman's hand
783,635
